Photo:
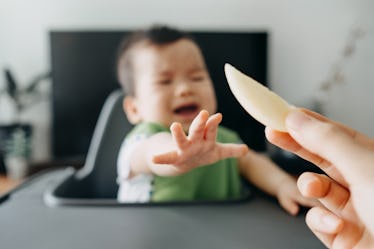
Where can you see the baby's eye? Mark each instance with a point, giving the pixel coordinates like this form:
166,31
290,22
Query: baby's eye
197,78
165,81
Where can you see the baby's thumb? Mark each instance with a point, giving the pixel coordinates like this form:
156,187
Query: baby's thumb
232,150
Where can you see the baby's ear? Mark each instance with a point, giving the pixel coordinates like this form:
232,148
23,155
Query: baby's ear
131,110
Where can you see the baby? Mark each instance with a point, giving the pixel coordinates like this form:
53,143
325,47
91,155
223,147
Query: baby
177,150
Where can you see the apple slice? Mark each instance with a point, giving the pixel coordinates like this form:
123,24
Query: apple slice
262,104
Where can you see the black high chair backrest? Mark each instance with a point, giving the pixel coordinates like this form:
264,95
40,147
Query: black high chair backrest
101,161
95,183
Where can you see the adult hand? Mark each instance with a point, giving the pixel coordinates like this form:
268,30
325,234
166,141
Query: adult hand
347,156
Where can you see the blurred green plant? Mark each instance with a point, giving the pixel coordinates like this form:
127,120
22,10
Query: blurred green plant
18,144
26,96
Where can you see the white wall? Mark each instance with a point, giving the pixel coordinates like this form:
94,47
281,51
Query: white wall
307,37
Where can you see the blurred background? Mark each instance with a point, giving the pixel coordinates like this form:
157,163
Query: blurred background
320,53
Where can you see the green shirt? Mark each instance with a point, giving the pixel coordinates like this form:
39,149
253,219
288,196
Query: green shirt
217,181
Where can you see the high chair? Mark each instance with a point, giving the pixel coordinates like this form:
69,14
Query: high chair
66,208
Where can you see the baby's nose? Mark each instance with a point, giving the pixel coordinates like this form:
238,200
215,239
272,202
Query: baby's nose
184,88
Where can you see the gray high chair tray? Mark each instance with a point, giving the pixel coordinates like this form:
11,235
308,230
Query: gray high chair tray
27,222
65,208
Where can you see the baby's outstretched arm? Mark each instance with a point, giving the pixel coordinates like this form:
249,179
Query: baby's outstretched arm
199,147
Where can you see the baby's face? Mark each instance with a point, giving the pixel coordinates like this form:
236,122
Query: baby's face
171,83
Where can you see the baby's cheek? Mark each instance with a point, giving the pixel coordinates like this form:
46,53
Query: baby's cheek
211,103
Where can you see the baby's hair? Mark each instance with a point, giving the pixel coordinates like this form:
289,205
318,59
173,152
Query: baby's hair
155,35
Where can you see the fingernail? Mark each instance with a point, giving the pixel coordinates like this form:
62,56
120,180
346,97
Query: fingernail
331,221
296,119
302,184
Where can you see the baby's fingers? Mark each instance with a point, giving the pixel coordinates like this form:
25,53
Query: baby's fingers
231,150
289,205
179,136
197,128
212,126
166,158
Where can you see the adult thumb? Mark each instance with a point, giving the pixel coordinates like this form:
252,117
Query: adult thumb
351,158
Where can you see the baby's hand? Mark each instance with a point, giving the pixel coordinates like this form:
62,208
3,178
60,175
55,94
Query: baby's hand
199,147
290,198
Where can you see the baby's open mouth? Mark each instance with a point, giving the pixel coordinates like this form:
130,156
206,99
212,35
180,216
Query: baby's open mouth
186,109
